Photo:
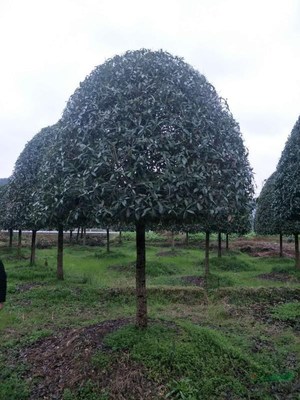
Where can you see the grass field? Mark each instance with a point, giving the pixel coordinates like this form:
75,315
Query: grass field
235,338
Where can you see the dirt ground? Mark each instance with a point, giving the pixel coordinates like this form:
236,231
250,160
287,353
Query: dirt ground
65,361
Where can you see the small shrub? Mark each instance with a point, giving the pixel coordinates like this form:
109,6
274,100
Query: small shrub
153,236
156,268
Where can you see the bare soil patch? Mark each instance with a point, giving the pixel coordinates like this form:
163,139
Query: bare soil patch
64,361
194,280
277,276
262,248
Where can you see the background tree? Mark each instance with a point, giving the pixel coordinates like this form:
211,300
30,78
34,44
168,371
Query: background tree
267,221
150,140
24,181
287,187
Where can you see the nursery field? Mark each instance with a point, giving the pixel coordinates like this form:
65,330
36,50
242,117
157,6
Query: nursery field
234,335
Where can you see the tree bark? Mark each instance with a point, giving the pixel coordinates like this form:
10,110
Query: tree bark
219,244
107,241
84,237
173,240
297,258
11,232
227,241
77,235
81,233
280,246
141,295
19,242
120,237
71,235
33,242
60,249
187,238
206,260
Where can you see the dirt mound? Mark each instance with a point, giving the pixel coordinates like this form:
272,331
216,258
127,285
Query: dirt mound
277,276
65,361
194,280
261,248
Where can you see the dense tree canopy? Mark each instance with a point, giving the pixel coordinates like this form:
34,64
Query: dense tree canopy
266,220
24,181
151,140
287,183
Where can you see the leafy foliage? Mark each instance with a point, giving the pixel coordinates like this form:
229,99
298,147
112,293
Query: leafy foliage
287,183
21,192
266,220
150,139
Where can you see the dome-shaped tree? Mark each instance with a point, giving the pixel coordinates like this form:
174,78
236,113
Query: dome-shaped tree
287,186
151,140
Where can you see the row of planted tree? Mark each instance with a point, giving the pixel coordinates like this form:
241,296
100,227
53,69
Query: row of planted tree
145,141
278,206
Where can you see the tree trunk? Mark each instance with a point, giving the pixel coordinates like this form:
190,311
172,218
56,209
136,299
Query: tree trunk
107,240
141,295
19,242
206,261
120,237
77,235
227,241
219,244
187,238
297,258
33,241
11,232
173,240
280,246
84,237
60,249
71,235
81,233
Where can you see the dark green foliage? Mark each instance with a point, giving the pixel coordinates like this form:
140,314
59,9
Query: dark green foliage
266,219
150,139
22,188
287,183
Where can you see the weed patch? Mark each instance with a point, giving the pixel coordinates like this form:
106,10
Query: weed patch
232,263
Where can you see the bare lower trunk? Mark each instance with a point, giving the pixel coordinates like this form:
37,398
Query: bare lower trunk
120,237
206,261
227,241
60,249
107,241
33,242
19,242
84,237
71,235
11,232
173,240
219,244
77,235
297,258
187,238
141,295
280,246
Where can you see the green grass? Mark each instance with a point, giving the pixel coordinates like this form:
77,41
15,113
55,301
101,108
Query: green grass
238,339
